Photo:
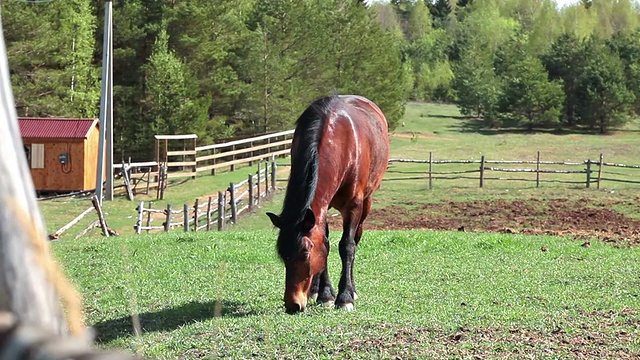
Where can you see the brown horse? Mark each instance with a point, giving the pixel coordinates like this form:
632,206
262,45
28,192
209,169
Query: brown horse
339,155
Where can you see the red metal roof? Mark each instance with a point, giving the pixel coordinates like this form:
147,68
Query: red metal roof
55,128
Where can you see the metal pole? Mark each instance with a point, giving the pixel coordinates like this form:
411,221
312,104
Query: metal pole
104,99
109,113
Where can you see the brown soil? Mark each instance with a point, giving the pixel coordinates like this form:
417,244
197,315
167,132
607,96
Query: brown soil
581,219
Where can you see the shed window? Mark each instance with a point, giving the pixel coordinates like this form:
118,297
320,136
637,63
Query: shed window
37,156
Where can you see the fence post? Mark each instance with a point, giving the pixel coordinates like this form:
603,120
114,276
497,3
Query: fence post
600,171
538,170
148,182
149,215
588,173
127,181
274,170
251,154
213,162
233,157
195,159
482,171
167,221
266,179
232,203
103,222
140,216
185,220
195,215
430,170
220,210
251,199
258,186
209,214
162,184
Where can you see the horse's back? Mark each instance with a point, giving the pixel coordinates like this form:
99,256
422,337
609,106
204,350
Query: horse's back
356,147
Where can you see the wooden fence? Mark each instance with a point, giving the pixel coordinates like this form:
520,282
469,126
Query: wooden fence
585,172
144,176
212,212
101,222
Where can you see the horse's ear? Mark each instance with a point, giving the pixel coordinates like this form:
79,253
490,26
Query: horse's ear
275,219
308,221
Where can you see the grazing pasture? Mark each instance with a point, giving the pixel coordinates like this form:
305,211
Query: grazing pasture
423,293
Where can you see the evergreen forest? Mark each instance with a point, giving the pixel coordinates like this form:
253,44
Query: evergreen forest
234,68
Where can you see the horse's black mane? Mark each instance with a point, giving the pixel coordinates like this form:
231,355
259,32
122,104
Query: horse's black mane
303,179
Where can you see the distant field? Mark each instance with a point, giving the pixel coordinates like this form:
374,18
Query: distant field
450,136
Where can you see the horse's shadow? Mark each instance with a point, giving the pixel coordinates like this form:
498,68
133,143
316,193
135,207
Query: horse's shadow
168,319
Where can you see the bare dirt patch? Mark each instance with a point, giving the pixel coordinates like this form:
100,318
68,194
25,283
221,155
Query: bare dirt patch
579,218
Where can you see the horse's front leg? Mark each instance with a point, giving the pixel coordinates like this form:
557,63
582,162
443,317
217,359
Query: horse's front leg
321,290
346,289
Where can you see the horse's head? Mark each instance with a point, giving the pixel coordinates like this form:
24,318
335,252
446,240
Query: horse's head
302,249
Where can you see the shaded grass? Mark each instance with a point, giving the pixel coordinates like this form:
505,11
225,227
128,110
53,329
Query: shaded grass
214,295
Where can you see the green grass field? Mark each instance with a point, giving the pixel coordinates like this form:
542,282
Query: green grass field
423,294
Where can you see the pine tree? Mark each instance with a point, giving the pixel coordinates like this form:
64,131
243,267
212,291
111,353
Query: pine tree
477,87
604,100
529,97
627,48
50,49
213,41
564,62
172,104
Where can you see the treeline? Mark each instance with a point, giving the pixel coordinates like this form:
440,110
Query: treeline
214,68
225,68
524,63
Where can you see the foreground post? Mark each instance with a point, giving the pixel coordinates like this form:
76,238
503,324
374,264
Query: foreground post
25,260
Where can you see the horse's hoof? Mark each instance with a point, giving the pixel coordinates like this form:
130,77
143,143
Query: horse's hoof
325,303
313,296
346,307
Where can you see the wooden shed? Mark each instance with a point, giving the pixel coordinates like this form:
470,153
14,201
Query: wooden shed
62,153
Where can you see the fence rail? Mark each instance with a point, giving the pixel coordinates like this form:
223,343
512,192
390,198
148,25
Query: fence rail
212,211
140,177
592,171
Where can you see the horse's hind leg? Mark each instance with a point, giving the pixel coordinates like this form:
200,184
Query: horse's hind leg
321,290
